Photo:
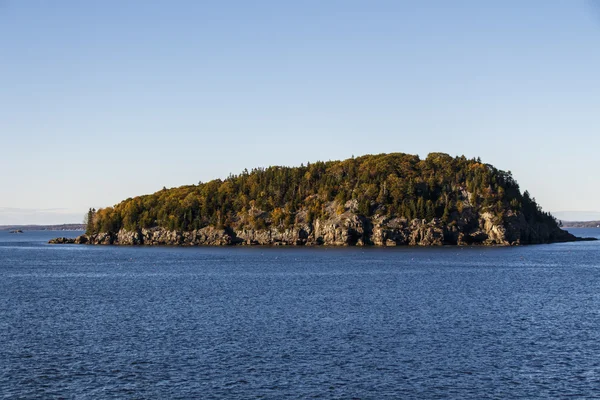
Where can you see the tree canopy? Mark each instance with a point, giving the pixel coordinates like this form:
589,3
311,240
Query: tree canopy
392,185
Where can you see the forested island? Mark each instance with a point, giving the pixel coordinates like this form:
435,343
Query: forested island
383,200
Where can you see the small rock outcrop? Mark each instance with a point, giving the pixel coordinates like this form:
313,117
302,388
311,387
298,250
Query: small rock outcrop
62,240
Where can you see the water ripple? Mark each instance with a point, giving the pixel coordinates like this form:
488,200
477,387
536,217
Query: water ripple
132,323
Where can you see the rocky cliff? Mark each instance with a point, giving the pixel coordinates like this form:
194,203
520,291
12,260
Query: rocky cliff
349,229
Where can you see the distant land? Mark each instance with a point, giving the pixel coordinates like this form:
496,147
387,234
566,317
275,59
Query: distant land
577,215
62,227
382,200
580,224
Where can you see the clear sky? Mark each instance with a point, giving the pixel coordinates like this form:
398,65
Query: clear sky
104,100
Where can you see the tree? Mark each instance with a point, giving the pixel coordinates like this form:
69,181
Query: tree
88,221
429,210
446,214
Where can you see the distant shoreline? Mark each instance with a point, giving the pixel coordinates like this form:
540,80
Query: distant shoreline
61,227
580,224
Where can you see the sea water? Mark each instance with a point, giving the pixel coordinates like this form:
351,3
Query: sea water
92,322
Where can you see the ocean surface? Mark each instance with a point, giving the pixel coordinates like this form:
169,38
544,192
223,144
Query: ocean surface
85,322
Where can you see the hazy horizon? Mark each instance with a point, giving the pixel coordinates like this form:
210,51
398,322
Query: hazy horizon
105,101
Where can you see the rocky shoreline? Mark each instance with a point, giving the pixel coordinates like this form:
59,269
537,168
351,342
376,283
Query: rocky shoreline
347,229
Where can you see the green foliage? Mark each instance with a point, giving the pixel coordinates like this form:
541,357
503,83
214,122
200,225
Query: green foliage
395,185
88,220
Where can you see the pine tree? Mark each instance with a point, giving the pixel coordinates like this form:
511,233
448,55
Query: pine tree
88,221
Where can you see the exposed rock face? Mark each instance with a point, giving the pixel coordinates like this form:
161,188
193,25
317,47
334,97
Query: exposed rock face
62,240
83,239
349,229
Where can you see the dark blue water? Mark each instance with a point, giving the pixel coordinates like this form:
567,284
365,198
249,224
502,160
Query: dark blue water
238,323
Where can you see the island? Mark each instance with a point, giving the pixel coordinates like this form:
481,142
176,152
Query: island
391,199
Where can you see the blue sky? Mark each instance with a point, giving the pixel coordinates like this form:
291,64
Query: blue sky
101,101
